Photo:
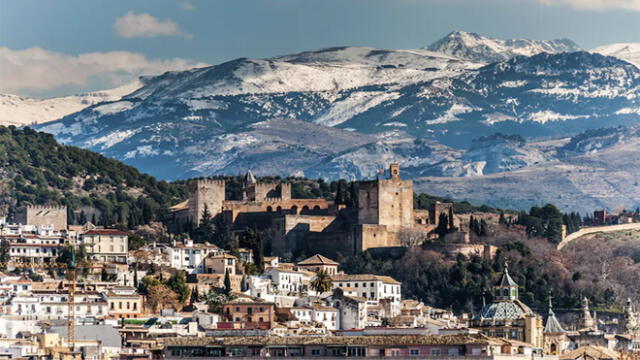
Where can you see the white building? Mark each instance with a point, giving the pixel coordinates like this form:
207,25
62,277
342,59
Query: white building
352,310
34,248
49,305
287,281
373,288
190,257
318,315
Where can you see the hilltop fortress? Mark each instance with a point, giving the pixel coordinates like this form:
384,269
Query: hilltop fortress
308,226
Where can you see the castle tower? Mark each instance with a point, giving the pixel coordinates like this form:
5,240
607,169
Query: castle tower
285,191
205,193
386,201
43,215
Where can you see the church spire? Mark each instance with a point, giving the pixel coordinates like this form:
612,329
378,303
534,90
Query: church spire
506,288
552,325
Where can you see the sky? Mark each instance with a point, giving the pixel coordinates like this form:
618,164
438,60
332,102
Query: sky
53,48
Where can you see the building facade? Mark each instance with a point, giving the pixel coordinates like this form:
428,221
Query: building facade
106,245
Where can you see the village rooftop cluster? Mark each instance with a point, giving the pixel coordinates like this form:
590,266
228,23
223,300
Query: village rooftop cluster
183,299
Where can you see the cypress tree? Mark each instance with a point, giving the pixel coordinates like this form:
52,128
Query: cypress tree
483,228
227,282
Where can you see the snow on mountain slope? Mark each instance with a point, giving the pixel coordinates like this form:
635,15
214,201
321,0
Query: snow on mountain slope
18,110
471,46
401,99
625,51
333,69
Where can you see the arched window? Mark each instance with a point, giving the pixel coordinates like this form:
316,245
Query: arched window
294,210
269,209
279,209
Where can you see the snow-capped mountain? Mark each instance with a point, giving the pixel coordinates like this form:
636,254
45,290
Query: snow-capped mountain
19,110
592,170
474,47
629,52
420,107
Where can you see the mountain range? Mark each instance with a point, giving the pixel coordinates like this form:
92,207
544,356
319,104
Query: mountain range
464,114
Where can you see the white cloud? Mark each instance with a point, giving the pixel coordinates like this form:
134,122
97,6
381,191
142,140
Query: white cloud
633,5
36,70
132,25
187,5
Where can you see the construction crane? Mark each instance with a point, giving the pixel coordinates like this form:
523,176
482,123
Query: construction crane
70,275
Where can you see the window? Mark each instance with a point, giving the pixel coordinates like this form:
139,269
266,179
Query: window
315,352
414,352
395,352
435,352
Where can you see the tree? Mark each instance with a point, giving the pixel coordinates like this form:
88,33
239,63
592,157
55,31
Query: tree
68,254
4,254
224,238
412,238
503,220
160,296
206,230
258,256
195,295
353,195
321,282
227,282
443,225
147,283
215,300
178,283
451,221
483,228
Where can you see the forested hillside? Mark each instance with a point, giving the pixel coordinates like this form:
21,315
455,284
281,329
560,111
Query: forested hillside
35,169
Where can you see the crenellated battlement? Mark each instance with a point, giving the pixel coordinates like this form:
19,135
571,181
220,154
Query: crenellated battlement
45,215
46,207
212,182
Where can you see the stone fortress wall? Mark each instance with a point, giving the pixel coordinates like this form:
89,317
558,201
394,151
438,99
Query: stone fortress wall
309,226
42,215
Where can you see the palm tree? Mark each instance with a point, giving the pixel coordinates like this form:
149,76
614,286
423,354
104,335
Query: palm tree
322,282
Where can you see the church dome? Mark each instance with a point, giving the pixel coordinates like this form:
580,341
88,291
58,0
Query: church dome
505,310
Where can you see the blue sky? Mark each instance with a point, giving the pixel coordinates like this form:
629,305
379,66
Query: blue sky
89,45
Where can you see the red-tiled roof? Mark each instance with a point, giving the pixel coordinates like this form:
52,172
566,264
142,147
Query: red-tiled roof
105,232
317,260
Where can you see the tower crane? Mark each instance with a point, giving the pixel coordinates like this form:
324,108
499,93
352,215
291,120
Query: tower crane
70,270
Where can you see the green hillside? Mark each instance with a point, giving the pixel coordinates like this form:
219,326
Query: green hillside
35,169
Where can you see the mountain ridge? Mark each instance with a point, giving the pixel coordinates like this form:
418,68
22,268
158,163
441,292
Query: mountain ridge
474,47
